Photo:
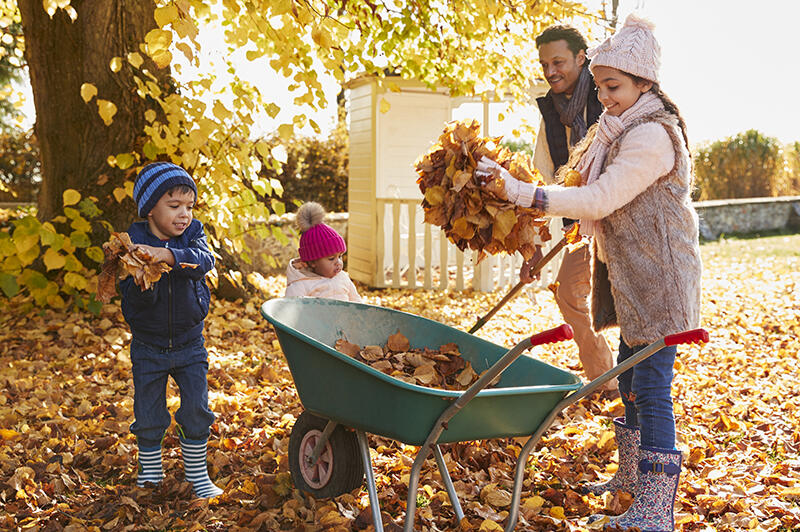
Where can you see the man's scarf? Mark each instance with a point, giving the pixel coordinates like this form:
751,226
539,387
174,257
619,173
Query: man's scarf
570,111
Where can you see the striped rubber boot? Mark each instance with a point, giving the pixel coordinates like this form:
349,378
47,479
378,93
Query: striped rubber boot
149,469
653,506
195,467
625,477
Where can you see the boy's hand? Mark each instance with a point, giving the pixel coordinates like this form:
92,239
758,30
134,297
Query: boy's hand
159,254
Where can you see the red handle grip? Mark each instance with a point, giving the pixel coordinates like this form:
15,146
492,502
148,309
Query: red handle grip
551,336
695,336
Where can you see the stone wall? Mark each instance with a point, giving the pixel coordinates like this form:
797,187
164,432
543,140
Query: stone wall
751,215
718,217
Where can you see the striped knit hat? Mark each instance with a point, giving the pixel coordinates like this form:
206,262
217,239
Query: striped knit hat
154,180
633,49
317,240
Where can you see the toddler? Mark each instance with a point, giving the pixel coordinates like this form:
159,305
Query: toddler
318,272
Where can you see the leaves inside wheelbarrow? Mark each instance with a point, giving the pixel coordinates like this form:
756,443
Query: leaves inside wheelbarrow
436,368
122,259
473,215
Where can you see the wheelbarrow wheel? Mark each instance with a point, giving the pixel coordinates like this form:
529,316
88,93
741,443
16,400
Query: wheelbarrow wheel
339,469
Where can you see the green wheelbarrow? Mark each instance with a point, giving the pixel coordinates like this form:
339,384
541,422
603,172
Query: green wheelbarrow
345,399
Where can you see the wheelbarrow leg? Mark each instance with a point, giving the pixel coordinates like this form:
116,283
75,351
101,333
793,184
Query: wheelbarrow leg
413,483
448,483
693,336
374,504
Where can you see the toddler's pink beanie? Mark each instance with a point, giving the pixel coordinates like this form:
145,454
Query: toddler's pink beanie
633,49
317,240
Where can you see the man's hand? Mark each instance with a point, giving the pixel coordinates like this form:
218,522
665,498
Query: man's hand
159,254
525,271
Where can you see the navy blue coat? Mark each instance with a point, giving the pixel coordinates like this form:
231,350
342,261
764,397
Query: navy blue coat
172,311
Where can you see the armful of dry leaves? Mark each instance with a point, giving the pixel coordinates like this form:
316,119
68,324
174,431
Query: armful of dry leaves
473,216
123,258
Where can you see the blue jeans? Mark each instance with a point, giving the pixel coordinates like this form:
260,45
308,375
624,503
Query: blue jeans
152,366
645,390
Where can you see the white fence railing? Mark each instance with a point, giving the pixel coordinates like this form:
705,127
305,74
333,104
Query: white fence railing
425,258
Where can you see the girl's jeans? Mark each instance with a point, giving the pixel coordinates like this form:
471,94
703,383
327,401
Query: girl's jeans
152,366
645,390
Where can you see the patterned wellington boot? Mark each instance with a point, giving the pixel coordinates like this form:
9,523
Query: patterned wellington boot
196,469
625,477
653,507
149,467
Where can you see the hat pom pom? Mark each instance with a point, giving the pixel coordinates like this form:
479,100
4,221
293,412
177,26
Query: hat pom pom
636,21
309,215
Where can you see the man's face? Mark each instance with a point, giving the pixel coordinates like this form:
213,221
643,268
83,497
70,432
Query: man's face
561,67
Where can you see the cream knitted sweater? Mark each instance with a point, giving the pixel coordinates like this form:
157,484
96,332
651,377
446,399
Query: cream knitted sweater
646,246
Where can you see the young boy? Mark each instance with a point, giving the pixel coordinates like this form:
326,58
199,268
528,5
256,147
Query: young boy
166,322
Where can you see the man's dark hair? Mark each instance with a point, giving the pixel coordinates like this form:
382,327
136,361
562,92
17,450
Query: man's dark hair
575,41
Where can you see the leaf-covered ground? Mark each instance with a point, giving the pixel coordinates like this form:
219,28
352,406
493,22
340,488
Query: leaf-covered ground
68,461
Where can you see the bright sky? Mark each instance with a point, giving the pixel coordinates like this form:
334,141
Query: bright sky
717,55
729,65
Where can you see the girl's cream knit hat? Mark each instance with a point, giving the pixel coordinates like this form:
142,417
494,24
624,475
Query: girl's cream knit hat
633,49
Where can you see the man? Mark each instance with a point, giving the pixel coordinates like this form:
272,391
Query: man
568,109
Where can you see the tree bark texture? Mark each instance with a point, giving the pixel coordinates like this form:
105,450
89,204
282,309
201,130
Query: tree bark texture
74,141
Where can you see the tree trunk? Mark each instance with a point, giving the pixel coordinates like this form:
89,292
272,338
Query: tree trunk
74,141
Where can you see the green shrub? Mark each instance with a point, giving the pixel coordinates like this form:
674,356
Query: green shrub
789,182
747,165
518,146
315,170
19,166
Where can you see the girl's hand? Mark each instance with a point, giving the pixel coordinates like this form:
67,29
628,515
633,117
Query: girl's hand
158,254
512,189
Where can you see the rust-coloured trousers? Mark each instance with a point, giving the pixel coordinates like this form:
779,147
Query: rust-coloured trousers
572,297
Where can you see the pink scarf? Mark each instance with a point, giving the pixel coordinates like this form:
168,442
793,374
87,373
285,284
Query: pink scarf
609,128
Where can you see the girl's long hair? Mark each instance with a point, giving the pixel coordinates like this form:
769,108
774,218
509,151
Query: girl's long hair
670,107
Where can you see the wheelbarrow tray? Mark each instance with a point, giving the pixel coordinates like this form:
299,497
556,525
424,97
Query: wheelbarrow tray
342,389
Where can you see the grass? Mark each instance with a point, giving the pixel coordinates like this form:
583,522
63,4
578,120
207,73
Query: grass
775,244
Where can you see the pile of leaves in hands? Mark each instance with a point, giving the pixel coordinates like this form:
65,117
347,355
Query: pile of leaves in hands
472,215
123,258
443,368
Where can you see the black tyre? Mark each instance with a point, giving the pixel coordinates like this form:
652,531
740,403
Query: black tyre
339,468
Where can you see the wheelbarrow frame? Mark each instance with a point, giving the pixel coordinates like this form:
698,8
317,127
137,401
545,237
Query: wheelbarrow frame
431,443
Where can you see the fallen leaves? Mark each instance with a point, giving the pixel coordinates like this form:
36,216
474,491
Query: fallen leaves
470,213
123,258
443,368
68,460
